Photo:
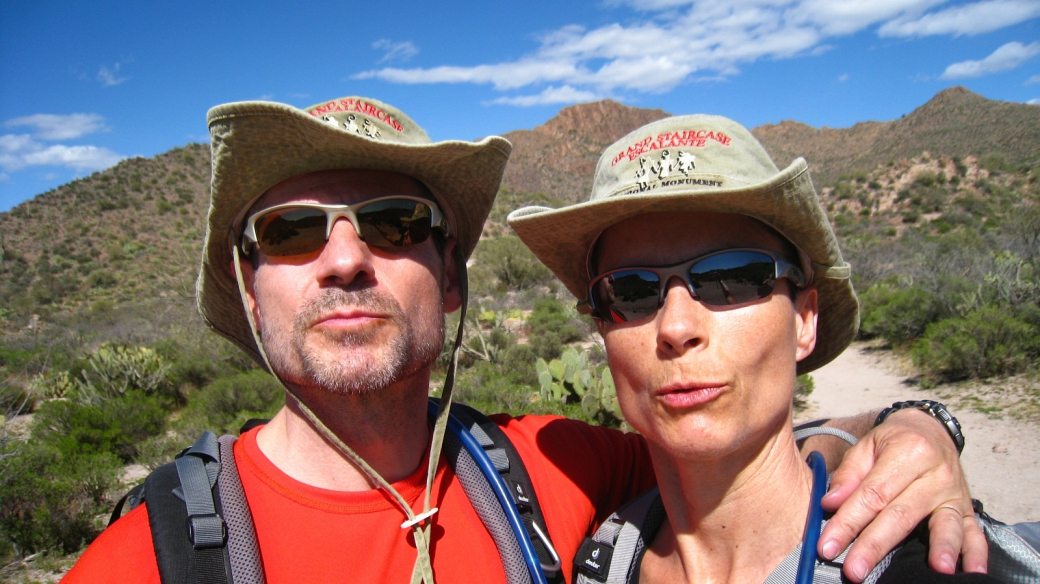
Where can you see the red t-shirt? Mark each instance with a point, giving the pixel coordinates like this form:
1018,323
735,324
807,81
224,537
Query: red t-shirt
580,473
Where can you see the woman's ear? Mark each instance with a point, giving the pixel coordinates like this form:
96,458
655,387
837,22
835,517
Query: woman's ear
807,313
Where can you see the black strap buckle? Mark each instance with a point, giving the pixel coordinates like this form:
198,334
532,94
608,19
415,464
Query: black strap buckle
207,531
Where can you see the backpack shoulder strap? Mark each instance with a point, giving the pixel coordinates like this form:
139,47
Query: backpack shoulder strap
243,548
1014,550
511,466
613,554
202,529
188,531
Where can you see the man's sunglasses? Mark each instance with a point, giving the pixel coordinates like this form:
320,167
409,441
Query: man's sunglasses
302,228
723,278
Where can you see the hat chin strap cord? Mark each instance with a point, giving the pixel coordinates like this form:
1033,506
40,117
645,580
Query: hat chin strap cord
418,523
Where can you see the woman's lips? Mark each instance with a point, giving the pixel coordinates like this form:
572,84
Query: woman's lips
688,395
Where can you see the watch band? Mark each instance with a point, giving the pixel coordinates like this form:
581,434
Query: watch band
936,410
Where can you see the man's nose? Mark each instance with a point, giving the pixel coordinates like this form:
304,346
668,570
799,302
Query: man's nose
680,320
345,257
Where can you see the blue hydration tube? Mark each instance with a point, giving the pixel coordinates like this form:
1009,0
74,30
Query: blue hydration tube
807,559
501,492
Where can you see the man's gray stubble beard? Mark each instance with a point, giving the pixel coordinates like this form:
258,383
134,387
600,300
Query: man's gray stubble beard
357,374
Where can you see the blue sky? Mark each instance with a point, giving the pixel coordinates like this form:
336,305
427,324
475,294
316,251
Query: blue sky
84,85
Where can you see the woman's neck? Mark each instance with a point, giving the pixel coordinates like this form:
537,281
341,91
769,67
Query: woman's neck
732,519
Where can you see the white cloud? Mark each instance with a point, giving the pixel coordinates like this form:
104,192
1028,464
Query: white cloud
1007,57
18,151
395,51
841,17
4,177
1032,80
969,19
550,95
60,127
1034,101
843,77
107,76
671,42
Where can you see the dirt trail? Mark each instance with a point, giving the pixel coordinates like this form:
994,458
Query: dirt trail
1001,456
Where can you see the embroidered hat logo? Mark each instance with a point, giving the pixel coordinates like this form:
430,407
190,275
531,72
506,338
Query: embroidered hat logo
665,167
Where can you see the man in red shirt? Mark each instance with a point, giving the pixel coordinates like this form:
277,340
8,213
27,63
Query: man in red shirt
337,241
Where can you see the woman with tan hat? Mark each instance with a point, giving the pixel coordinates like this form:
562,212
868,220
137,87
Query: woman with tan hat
714,283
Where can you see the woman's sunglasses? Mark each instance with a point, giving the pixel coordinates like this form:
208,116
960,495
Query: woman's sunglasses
302,228
723,278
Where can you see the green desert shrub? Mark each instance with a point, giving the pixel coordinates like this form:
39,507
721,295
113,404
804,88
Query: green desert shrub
985,343
804,387
926,178
552,325
994,162
227,403
15,359
52,501
511,263
898,315
488,388
197,360
114,426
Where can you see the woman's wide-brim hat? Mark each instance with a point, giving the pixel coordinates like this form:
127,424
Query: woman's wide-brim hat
700,163
255,145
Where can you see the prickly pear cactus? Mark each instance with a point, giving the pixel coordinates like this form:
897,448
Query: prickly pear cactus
571,379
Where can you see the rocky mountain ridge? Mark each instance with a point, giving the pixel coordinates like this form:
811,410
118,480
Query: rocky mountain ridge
136,228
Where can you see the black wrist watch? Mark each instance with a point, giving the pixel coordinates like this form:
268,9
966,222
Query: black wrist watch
937,411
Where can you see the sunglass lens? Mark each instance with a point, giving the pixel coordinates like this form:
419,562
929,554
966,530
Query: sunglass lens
733,278
395,222
291,232
626,295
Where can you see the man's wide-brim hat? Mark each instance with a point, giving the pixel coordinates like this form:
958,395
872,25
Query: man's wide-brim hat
256,145
700,163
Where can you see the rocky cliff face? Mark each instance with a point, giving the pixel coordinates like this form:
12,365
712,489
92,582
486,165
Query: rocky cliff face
559,157
956,122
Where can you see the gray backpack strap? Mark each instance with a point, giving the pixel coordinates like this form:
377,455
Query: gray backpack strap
197,469
243,548
487,507
201,526
826,572
1013,549
612,555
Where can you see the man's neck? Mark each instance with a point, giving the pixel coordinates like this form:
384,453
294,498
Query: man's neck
388,429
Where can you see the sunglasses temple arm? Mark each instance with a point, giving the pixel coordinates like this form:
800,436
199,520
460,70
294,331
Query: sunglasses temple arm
790,271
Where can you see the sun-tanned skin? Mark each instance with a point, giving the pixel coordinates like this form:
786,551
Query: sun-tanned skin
710,388
382,329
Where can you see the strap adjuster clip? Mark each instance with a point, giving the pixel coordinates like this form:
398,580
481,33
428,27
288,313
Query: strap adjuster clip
207,531
418,519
